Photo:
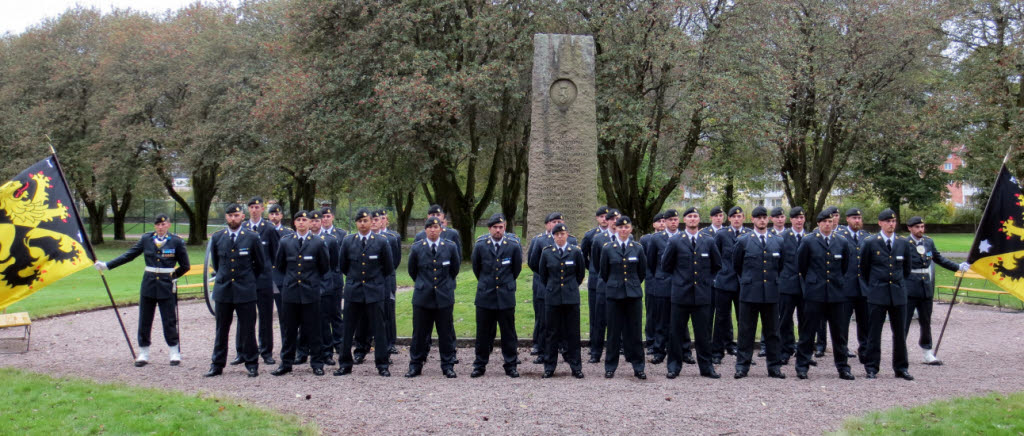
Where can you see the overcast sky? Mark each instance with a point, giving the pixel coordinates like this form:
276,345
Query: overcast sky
18,15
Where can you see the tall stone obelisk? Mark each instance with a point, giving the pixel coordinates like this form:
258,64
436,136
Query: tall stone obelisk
563,133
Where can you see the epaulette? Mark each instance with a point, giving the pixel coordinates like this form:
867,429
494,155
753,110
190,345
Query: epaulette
606,243
321,237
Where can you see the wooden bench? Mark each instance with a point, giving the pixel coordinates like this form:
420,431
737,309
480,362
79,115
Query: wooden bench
196,281
20,319
995,295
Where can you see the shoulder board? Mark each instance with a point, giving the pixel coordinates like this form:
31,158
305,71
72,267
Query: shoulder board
321,237
898,237
606,243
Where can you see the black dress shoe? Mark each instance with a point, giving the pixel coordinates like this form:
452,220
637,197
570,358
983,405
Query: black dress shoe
657,360
512,373
731,351
252,371
539,360
609,374
358,360
802,375
456,362
269,361
712,374
813,362
392,350
904,375
318,371
534,351
671,375
238,361
846,375
688,359
413,372
330,361
774,373
343,371
578,373
301,360
383,372
872,375
449,373
477,372
819,353
213,372
761,353
548,374
640,375
739,374
717,360
281,370
850,354
594,359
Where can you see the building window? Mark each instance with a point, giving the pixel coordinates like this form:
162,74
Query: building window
948,166
949,156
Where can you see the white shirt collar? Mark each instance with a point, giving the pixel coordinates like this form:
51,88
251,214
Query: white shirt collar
694,235
303,236
564,246
621,241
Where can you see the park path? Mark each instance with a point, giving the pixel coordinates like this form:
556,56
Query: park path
981,349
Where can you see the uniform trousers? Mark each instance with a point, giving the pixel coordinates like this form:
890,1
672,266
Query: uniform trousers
562,326
331,327
488,321
722,336
659,317
859,306
223,315
372,314
681,314
924,319
788,305
168,317
876,318
306,316
834,314
539,324
748,316
624,318
424,321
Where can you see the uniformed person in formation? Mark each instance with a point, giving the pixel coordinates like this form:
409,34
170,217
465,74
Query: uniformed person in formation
497,262
823,261
658,287
791,293
305,261
366,263
884,265
562,269
237,259
433,264
380,223
821,335
624,268
161,251
658,225
717,216
447,233
855,234
587,246
599,330
726,287
264,285
921,284
757,260
331,327
275,216
691,261
537,246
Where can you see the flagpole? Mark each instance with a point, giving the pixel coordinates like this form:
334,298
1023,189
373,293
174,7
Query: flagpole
948,311
88,244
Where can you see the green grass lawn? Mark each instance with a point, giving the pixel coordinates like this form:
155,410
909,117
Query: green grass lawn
951,242
39,404
991,414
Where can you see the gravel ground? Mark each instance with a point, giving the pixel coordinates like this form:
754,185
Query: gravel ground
981,349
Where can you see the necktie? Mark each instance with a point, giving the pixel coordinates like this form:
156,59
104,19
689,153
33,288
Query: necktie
560,252
888,244
855,238
763,243
433,249
232,238
799,236
693,243
364,242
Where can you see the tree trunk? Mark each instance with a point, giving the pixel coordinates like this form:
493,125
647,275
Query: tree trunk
120,208
729,194
96,217
403,209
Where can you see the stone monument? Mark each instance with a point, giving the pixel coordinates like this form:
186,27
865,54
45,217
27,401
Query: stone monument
563,133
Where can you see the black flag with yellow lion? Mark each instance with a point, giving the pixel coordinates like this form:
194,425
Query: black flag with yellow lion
998,249
41,236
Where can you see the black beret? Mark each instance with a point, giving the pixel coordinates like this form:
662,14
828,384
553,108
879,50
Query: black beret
432,221
601,210
314,214
824,215
853,212
886,215
659,216
375,214
613,212
915,221
256,200
623,220
777,211
434,208
693,209
716,210
671,213
497,218
735,210
326,210
382,212
161,218
560,227
361,213
758,211
832,210
301,214
274,208
796,211
553,216
232,208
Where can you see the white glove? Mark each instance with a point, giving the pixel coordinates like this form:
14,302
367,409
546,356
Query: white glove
964,266
101,265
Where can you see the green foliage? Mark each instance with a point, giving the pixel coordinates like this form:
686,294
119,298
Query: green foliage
46,405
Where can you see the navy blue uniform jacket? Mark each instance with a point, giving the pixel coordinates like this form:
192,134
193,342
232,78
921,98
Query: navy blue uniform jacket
434,274
303,268
562,274
692,271
758,267
824,267
172,252
238,265
496,273
366,268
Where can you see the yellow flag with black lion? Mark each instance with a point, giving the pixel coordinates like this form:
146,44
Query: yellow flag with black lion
41,235
998,249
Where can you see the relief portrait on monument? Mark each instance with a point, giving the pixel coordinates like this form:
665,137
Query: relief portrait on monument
563,92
